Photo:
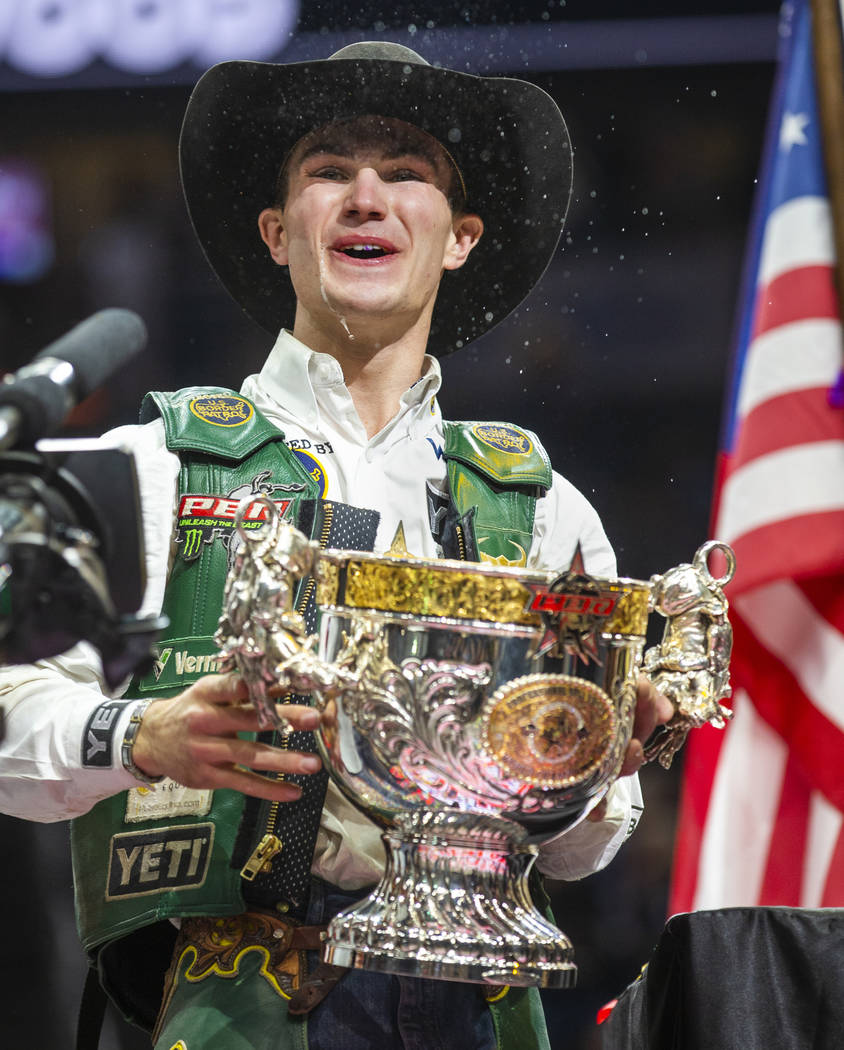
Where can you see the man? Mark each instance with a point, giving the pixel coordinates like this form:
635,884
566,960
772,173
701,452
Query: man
402,210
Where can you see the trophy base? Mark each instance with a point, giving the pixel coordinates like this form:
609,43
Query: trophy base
454,905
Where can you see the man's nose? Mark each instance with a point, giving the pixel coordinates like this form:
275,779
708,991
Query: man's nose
366,194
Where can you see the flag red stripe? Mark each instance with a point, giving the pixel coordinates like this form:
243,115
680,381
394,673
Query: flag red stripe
808,291
783,878
826,595
796,547
700,761
780,422
833,891
816,743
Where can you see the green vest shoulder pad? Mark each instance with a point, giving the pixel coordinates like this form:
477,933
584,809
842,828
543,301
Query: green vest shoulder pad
496,472
209,419
505,454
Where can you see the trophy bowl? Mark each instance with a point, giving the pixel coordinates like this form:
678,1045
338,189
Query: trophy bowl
473,711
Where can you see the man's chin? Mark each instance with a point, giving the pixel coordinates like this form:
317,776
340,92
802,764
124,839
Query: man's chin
371,313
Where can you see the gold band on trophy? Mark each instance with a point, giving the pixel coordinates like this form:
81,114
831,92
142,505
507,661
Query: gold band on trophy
452,591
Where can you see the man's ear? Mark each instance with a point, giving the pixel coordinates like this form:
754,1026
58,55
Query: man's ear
467,232
272,231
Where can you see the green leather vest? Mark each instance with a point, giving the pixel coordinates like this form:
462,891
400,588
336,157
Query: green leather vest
131,872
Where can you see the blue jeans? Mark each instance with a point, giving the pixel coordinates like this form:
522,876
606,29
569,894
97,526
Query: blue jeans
374,1011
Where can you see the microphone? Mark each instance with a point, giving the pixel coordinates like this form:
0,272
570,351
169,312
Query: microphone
35,400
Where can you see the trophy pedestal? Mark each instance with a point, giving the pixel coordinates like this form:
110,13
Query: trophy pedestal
454,904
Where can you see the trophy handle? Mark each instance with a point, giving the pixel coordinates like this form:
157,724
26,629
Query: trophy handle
701,562
261,634
691,665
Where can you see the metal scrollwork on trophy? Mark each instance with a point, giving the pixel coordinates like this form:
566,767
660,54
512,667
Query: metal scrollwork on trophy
473,711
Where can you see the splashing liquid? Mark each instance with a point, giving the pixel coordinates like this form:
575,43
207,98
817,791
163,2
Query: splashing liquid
324,294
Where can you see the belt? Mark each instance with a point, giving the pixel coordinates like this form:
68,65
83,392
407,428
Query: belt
219,944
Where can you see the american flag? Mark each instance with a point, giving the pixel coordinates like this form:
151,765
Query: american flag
761,815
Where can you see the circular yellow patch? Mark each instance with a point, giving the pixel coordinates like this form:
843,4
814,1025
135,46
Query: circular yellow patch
504,438
222,410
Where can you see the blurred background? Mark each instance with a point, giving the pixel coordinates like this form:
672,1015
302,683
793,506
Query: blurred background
618,359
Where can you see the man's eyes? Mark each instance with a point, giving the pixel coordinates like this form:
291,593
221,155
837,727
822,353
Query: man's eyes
406,175
328,172
333,173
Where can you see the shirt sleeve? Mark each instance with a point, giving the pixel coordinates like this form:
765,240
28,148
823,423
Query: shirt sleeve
565,519
590,845
61,750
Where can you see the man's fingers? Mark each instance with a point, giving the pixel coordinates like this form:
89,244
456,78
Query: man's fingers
634,759
243,718
220,688
224,752
652,709
194,738
249,783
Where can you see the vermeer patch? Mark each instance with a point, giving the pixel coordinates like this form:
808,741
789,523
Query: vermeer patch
222,411
504,438
173,858
182,660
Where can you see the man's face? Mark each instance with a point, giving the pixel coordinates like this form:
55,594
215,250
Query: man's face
365,226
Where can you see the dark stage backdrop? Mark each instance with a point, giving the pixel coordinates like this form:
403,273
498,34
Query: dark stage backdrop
618,360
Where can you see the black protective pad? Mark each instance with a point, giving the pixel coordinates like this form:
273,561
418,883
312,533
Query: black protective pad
738,979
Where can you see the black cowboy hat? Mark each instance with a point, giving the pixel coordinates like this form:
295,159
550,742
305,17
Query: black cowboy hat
507,137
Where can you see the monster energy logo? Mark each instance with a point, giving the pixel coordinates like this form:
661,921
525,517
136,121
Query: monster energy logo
192,540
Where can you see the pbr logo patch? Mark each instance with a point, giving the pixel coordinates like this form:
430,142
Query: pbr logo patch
172,858
222,411
504,438
202,517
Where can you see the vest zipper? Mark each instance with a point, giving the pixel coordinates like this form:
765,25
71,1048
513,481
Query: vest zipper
262,856
461,541
261,859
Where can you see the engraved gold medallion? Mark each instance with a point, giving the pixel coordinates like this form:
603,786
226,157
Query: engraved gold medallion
549,730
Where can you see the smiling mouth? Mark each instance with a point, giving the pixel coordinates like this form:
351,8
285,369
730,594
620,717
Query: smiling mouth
364,251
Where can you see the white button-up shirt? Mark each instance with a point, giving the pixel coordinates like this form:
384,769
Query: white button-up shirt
303,393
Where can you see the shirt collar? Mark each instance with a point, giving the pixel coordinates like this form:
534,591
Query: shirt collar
293,376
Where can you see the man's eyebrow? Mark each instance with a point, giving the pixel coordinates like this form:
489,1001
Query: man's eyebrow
391,152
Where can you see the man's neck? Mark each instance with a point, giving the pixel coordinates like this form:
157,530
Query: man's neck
376,373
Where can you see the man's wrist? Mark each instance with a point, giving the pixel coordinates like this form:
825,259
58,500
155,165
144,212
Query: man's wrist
127,748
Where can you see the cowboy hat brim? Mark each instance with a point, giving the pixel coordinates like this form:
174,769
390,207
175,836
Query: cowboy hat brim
507,137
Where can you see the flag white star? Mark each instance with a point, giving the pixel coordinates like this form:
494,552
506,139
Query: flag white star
793,130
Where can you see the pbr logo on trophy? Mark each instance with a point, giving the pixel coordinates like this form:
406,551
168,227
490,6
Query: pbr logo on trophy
473,711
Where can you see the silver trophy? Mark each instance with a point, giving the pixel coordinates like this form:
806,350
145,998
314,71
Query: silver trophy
472,711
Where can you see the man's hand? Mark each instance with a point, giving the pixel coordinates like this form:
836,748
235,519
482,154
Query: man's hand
193,739
652,709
